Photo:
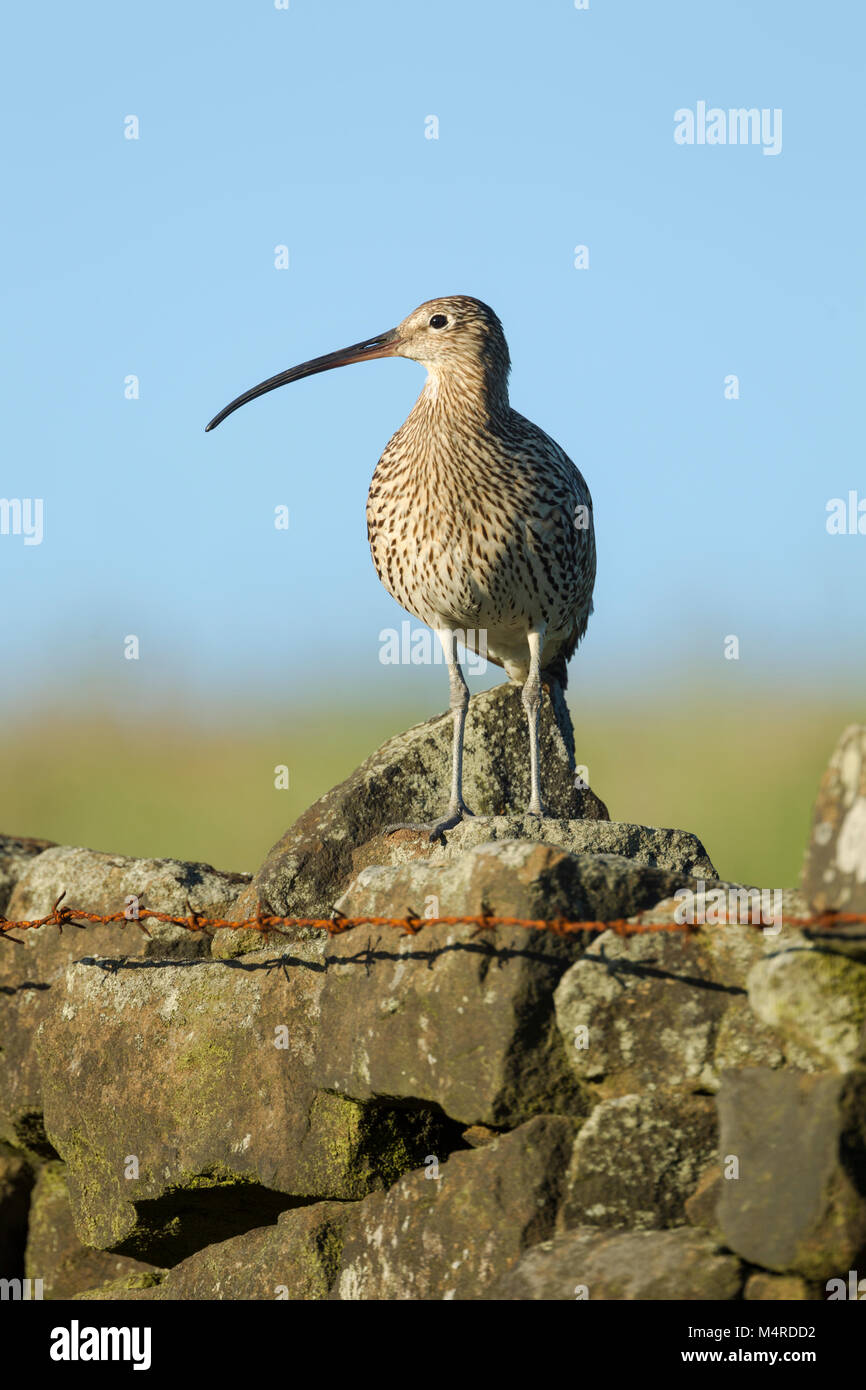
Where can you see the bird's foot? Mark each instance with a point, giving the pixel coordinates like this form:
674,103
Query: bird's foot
539,809
435,830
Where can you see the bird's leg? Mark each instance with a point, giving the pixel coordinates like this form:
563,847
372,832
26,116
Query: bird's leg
532,705
459,703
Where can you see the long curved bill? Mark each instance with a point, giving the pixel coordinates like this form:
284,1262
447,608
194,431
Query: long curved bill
385,345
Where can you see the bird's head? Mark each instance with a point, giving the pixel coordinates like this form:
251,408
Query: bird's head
457,336
455,331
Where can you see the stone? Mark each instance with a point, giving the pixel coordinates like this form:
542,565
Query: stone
228,943
701,1207
128,1288
451,1017
780,915
408,779
842,938
798,1205
637,1265
510,878
188,1113
815,998
673,1008
804,988
676,851
476,1136
644,1011
296,1258
16,855
451,1236
101,883
834,871
16,1183
734,922
445,1231
31,972
495,1058
55,1254
636,1160
783,1288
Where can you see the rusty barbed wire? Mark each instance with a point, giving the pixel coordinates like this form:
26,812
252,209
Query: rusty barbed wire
409,925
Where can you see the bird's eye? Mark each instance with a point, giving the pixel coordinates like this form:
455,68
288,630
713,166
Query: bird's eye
438,321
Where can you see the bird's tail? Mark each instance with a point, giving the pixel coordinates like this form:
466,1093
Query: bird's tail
557,670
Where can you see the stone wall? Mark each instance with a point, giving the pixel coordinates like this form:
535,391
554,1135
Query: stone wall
458,1113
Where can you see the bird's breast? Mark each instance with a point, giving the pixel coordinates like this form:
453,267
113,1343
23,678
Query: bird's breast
476,533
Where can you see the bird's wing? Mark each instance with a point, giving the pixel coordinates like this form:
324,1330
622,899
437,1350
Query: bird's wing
558,523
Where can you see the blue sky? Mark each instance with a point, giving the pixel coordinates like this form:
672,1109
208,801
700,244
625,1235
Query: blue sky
306,127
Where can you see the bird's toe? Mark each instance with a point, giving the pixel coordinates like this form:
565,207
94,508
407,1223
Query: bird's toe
435,830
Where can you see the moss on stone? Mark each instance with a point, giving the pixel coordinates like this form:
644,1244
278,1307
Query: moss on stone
816,999
356,1148
117,1288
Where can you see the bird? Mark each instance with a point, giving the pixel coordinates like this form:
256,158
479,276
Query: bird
479,523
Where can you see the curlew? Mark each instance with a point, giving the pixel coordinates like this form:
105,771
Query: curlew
479,524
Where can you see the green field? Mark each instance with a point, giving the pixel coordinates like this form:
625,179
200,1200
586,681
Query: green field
743,779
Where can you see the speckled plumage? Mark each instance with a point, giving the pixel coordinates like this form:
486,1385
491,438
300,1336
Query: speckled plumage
472,511
479,524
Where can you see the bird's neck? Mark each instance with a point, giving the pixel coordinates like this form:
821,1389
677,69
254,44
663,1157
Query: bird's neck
467,394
